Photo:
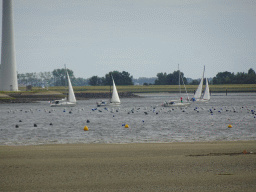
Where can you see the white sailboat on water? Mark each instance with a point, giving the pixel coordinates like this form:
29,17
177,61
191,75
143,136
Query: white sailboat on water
206,96
175,103
70,102
198,94
115,100
115,97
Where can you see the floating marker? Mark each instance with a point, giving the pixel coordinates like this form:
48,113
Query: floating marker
126,126
86,128
88,121
35,125
17,126
229,126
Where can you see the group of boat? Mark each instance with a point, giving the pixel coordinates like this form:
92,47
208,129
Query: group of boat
70,101
198,96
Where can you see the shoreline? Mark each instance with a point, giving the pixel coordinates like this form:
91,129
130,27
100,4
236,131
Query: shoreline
95,143
30,98
198,166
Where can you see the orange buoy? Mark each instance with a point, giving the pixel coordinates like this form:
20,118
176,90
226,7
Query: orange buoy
126,126
229,126
86,128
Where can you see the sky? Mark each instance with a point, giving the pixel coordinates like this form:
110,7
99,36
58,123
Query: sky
142,37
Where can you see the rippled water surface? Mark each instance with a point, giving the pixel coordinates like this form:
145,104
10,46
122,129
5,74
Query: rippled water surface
147,120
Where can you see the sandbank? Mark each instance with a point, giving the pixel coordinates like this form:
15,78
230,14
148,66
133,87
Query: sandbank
203,166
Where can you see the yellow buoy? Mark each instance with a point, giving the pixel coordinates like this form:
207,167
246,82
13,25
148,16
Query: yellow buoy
86,128
229,126
126,126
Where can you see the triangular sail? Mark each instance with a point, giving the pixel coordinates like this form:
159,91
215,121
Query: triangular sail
71,95
207,91
198,92
115,97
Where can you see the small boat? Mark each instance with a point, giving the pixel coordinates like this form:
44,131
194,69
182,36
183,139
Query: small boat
177,103
70,102
101,103
115,100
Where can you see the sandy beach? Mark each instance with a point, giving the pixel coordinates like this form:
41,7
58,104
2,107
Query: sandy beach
203,166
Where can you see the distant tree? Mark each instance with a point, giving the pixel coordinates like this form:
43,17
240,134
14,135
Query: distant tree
240,78
161,79
146,84
251,71
120,78
80,82
223,78
194,82
95,81
170,79
60,76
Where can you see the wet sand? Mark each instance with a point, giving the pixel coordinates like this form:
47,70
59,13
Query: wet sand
204,166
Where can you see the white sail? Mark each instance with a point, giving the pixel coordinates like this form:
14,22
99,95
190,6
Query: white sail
198,92
71,95
207,91
115,97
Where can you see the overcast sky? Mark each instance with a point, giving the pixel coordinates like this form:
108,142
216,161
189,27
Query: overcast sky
94,37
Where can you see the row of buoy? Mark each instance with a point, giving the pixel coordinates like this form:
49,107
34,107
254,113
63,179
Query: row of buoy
35,125
124,125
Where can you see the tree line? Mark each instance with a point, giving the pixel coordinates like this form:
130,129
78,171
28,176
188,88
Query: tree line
58,78
120,78
48,79
239,78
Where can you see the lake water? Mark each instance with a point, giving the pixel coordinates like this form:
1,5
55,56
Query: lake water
160,124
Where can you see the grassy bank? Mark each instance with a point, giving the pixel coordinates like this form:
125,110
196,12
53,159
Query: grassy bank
147,89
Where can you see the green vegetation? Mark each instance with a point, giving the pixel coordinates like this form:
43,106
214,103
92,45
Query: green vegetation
145,89
57,78
170,79
240,78
120,78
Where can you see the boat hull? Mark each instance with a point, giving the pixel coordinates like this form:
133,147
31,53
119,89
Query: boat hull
64,104
176,104
115,103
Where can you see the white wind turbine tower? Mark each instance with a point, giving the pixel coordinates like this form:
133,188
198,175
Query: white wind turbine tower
8,74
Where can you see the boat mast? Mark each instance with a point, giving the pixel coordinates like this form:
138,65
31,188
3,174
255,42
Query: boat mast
110,87
179,77
66,93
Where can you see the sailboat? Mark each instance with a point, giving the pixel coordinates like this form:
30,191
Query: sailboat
70,102
198,94
175,103
206,96
115,100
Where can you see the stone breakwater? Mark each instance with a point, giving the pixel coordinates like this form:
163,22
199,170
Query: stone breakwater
104,95
30,98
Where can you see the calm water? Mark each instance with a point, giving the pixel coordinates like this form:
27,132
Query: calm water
195,123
